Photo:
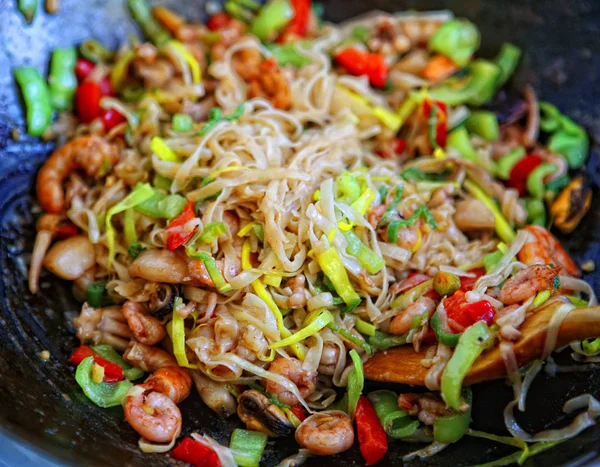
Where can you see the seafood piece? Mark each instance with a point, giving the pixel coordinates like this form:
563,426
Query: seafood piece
159,266
401,322
70,258
102,326
426,407
174,382
145,328
528,282
148,358
259,414
215,395
543,248
291,368
326,433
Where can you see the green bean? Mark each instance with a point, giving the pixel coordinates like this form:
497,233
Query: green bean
28,8
142,15
37,99
95,51
62,80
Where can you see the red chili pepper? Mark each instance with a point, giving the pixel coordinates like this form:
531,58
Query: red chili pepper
465,314
520,172
467,283
196,454
113,373
371,435
298,25
66,230
83,68
362,63
87,101
218,21
399,145
177,234
298,411
111,118
105,86
437,123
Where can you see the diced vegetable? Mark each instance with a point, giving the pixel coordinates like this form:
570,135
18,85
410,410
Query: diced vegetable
483,123
248,447
176,330
446,338
213,271
62,80
102,394
420,212
507,60
474,340
535,180
395,421
505,165
371,436
37,99
436,114
451,428
182,123
112,372
446,283
196,454
298,26
360,63
365,328
108,353
87,101
162,206
457,39
180,229
536,211
521,171
459,139
366,257
383,341
271,19
96,295
286,54
348,188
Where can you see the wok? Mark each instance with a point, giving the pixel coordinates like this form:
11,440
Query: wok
41,406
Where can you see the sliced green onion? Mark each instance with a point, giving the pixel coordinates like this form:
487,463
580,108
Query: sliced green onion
135,249
95,51
421,211
212,231
176,330
397,197
102,394
483,123
129,227
313,327
365,328
96,294
395,421
334,269
351,338
505,165
383,341
287,54
247,447
503,228
213,271
366,257
182,123
348,187
535,181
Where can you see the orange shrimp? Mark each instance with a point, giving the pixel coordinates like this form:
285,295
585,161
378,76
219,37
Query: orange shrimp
89,153
153,415
174,382
291,368
148,358
528,282
543,248
145,328
402,322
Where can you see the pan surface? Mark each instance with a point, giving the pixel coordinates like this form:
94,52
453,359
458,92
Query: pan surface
41,406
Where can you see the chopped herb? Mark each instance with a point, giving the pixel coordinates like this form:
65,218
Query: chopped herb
135,249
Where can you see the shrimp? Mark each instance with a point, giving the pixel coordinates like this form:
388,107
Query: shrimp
528,282
291,368
148,358
401,322
329,358
46,230
543,247
174,382
89,153
153,415
102,326
298,297
375,214
427,407
145,328
326,433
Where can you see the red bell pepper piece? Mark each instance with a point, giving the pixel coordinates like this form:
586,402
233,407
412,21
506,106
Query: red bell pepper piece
83,68
363,63
218,21
87,101
298,411
298,25
467,283
481,311
371,435
111,118
106,87
466,314
177,233
437,123
113,373
521,171
196,454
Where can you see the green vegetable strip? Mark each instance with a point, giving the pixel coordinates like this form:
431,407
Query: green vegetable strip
286,54
313,327
457,39
505,165
535,181
366,257
37,99
411,296
356,382
104,394
129,228
474,340
213,271
95,51
421,211
397,197
351,338
446,338
365,328
28,9
349,188
62,80
536,211
162,206
108,353
483,123
383,341
143,16
503,228
521,456
334,269
507,60
212,231
395,421
247,447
